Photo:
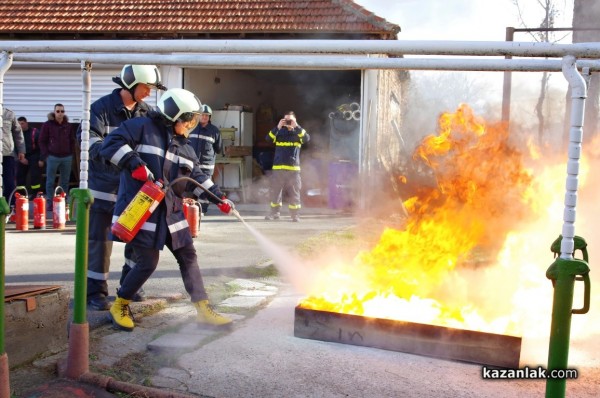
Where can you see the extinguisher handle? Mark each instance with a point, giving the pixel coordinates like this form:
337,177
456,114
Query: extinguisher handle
586,294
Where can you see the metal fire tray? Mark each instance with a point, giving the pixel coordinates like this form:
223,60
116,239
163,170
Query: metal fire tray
414,338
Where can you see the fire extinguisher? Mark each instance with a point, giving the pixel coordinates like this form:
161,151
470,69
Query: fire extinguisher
39,211
21,210
191,211
59,217
138,211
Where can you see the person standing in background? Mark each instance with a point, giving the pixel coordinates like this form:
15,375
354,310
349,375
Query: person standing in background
57,146
13,144
288,138
29,166
206,141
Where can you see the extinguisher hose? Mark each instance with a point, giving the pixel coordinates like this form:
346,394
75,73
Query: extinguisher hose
212,195
19,188
209,193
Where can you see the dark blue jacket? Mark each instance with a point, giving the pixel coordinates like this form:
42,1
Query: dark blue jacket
106,114
150,141
287,147
207,143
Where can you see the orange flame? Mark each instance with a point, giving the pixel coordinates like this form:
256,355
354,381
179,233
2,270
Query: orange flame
483,190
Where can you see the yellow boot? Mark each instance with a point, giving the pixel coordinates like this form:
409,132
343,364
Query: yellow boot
121,315
208,316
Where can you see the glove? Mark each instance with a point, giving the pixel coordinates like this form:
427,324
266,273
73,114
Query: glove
226,206
142,173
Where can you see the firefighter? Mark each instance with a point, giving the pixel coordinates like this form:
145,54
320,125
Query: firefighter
288,138
106,114
157,147
206,141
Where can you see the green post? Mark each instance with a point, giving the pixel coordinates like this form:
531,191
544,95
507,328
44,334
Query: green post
4,211
563,273
4,371
83,201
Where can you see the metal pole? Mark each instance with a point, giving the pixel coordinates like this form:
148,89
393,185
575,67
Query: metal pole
78,355
507,86
391,47
565,270
316,62
5,63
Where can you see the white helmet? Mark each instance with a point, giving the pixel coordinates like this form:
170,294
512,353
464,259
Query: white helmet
135,74
176,102
206,110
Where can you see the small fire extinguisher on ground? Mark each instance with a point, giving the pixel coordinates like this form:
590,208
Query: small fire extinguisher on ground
138,211
191,211
39,211
59,211
22,211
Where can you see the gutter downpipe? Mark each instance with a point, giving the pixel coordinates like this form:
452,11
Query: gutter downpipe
566,269
5,63
78,353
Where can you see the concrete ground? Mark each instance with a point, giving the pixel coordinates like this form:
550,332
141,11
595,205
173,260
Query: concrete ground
259,357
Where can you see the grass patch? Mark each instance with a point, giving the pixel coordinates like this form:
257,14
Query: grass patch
344,239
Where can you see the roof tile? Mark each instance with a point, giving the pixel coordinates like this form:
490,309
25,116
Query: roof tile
190,17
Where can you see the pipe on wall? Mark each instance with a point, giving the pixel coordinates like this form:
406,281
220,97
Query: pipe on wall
321,62
391,47
578,96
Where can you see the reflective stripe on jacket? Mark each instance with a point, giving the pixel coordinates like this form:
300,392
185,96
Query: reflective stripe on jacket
149,141
287,147
207,143
106,114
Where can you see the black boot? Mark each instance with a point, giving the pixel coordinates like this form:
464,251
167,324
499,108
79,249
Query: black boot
295,216
274,214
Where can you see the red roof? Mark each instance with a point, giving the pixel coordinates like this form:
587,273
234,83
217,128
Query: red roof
190,18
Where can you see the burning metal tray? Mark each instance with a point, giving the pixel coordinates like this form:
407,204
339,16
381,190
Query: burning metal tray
414,338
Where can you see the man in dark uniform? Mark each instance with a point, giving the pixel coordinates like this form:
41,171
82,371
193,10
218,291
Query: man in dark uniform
106,114
288,138
157,147
206,141
29,166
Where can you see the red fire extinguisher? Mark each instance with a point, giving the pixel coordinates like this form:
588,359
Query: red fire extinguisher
22,211
39,211
59,215
138,211
191,211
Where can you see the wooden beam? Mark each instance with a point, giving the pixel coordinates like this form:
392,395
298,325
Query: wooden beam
414,338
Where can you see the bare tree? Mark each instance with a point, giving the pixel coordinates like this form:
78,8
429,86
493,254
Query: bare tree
550,13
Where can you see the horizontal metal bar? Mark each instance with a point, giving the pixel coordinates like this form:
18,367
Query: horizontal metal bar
315,62
392,47
414,338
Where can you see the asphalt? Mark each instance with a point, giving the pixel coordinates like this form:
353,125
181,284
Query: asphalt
259,356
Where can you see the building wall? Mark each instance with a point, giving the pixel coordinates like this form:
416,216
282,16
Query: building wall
384,147
586,14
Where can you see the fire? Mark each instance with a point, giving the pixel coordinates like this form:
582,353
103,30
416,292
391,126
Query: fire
483,192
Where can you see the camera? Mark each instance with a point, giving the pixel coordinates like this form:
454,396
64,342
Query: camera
288,122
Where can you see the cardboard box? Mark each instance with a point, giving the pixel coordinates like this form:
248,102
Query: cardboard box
237,151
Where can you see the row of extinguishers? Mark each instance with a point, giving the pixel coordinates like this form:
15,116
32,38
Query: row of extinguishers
20,210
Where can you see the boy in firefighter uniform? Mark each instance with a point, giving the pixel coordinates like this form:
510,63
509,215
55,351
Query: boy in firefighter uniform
106,114
288,138
157,147
206,141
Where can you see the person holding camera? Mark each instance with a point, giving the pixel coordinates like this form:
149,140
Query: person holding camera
288,138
